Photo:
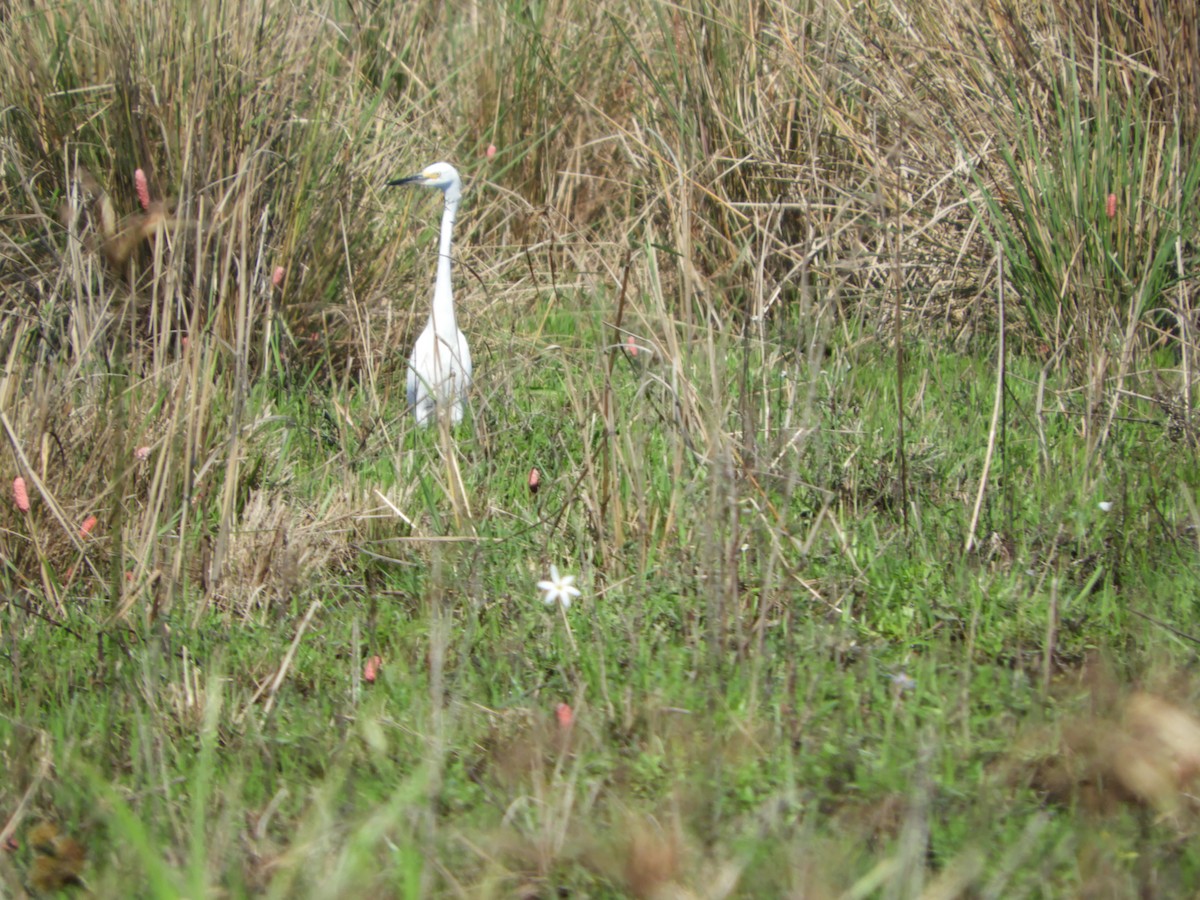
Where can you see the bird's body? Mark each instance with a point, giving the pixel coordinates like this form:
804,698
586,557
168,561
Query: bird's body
439,370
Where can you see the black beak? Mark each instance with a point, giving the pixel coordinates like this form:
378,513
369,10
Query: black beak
409,180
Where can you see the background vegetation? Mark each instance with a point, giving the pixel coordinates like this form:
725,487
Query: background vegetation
854,346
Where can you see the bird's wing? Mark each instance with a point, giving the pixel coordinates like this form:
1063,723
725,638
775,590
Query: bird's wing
464,360
412,382
419,368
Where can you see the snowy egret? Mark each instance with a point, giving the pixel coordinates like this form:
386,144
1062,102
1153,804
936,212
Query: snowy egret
439,370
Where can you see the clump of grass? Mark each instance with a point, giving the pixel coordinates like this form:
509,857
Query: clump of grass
1091,219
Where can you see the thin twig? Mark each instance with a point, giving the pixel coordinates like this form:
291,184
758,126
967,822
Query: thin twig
1051,635
898,281
996,407
277,681
1171,628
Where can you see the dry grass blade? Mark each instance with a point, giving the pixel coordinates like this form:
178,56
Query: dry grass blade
271,686
997,407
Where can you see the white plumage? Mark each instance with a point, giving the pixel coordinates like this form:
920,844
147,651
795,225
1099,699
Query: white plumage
439,370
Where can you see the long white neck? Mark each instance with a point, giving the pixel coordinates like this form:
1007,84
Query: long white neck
444,324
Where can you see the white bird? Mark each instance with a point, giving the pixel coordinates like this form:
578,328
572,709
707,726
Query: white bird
439,370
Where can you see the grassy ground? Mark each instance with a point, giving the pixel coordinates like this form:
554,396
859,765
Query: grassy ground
863,612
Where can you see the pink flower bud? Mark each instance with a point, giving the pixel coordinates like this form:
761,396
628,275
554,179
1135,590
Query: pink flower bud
86,528
142,454
535,480
631,346
371,669
1111,206
20,495
491,151
277,276
143,188
566,718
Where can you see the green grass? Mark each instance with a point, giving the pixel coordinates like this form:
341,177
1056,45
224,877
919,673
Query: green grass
779,727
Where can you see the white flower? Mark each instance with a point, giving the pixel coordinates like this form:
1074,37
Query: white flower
1105,505
902,682
559,589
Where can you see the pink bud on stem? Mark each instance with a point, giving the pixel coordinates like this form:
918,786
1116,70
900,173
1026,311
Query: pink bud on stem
565,716
86,528
1111,206
143,188
20,495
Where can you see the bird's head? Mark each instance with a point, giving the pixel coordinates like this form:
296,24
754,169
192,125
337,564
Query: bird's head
440,175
